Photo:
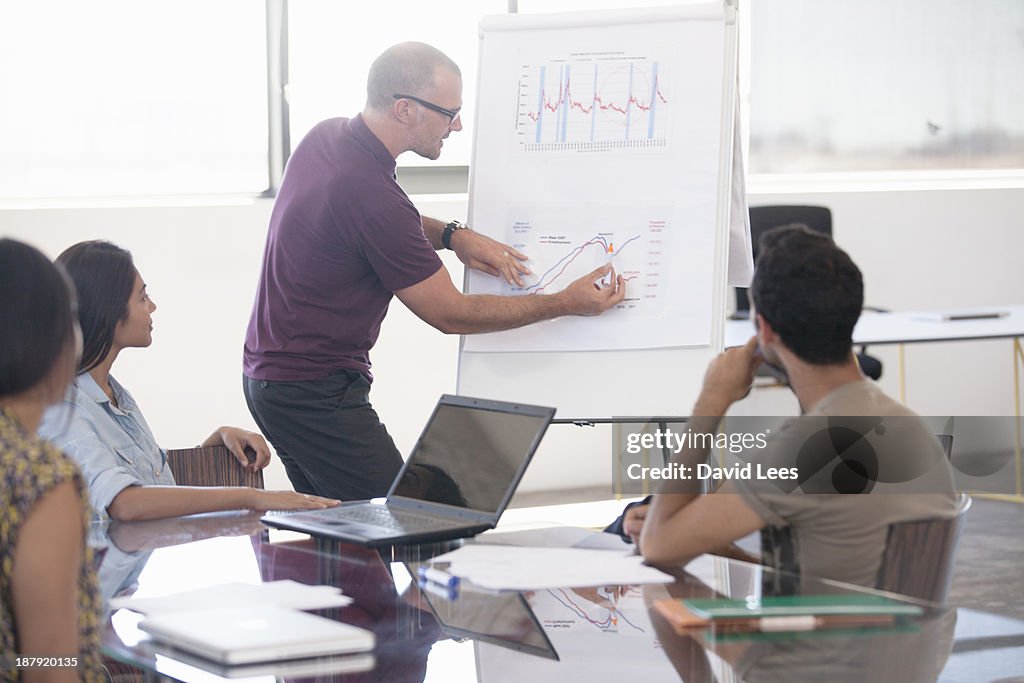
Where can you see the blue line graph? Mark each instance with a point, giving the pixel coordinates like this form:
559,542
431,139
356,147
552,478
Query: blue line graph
567,243
547,278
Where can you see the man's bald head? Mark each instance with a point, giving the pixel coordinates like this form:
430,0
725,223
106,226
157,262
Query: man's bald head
407,69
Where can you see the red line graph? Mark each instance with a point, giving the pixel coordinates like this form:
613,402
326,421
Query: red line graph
565,95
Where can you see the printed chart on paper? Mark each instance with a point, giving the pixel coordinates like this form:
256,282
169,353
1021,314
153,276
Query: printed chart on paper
561,249
565,243
593,102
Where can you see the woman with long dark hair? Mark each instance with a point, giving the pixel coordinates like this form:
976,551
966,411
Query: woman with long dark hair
48,596
105,431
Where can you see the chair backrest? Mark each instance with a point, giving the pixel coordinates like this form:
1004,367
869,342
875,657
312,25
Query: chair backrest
210,466
903,570
919,556
764,218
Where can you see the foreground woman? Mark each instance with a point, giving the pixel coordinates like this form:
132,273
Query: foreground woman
48,596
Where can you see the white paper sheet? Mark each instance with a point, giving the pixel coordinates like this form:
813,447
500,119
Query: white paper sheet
501,567
557,537
603,145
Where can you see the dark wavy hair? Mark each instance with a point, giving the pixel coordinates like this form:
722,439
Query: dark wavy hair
104,275
37,316
809,291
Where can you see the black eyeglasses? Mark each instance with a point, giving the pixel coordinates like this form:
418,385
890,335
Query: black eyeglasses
450,113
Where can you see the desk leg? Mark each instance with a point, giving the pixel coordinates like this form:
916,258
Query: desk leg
1018,355
903,374
1018,496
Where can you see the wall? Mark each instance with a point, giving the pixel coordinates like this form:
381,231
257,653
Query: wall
918,248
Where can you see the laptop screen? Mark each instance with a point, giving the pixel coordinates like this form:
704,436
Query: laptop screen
503,619
469,455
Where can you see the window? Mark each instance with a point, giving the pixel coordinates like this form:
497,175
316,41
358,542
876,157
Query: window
877,85
332,44
117,97
120,98
529,6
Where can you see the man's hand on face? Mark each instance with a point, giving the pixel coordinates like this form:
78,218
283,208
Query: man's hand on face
730,376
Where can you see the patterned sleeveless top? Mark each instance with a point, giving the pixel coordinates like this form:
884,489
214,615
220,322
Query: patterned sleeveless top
29,469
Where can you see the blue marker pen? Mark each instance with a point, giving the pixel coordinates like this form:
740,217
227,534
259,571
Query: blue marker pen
439,577
449,594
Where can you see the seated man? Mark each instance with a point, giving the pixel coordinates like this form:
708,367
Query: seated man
855,462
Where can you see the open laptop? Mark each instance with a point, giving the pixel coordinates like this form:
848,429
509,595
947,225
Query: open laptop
457,482
259,633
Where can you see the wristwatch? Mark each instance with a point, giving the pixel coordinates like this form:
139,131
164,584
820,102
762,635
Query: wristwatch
449,230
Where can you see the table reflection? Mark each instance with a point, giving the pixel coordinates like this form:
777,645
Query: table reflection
571,633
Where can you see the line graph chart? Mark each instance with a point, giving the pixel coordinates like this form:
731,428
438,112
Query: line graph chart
581,611
592,103
553,273
646,242
563,247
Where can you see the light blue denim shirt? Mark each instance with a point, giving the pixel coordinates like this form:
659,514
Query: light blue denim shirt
114,447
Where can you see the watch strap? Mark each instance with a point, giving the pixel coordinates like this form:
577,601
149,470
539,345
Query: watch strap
449,230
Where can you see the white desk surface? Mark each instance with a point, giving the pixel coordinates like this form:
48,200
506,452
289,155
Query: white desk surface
902,327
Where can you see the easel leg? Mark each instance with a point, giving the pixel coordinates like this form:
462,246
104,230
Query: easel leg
1018,360
617,467
903,373
666,452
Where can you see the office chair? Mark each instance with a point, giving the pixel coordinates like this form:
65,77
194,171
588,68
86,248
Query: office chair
919,556
210,466
203,466
917,561
818,219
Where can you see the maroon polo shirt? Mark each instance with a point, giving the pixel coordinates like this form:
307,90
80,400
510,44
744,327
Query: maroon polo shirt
343,237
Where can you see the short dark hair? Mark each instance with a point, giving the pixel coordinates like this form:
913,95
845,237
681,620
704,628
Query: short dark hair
104,275
37,316
404,69
809,291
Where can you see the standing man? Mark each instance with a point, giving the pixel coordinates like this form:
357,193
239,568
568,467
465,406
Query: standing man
343,239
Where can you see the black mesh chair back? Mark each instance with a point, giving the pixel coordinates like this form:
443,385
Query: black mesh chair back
764,218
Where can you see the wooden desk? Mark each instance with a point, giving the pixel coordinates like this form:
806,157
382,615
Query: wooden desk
593,641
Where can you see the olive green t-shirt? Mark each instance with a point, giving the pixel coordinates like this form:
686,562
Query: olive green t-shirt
864,461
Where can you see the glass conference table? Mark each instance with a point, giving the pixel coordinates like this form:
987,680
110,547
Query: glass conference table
568,634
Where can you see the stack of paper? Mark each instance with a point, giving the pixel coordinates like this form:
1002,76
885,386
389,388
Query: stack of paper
504,567
286,593
557,537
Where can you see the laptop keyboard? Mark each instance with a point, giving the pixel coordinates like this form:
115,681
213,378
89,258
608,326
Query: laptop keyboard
390,519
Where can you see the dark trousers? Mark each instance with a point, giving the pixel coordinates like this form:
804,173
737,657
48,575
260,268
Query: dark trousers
327,434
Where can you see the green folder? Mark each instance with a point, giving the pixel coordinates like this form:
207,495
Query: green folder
800,605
